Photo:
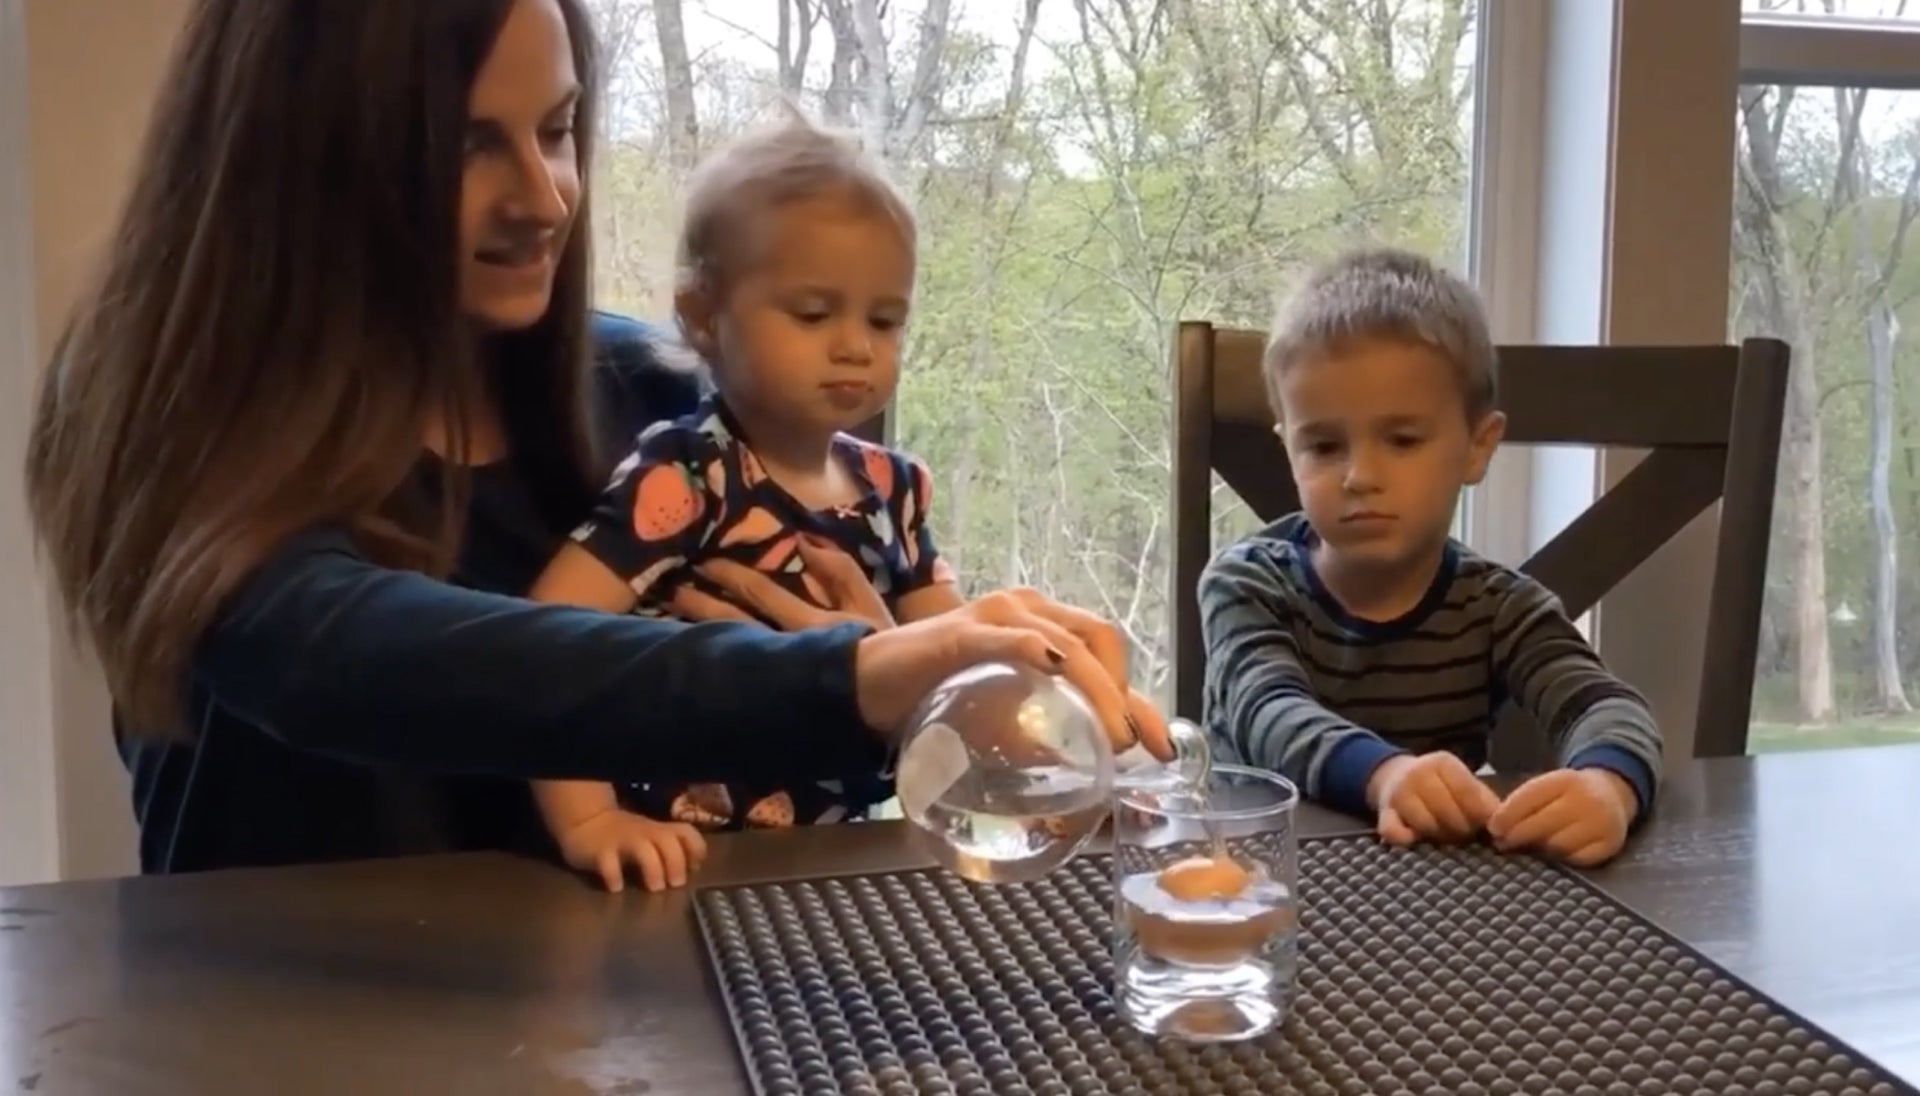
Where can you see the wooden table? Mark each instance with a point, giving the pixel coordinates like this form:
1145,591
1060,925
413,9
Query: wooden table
480,974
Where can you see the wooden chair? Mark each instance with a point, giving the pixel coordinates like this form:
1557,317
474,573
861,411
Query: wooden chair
1710,416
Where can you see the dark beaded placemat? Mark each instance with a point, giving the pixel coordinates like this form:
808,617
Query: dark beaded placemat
1456,972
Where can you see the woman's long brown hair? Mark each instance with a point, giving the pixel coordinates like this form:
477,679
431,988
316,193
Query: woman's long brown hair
277,322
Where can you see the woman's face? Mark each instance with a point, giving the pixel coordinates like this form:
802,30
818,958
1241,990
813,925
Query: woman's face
521,184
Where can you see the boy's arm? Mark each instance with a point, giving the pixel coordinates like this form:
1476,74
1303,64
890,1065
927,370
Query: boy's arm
1593,719
1260,701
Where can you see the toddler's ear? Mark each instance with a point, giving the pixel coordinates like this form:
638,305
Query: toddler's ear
694,309
1485,439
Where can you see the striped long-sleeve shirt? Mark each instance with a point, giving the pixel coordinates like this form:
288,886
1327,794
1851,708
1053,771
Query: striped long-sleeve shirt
1297,685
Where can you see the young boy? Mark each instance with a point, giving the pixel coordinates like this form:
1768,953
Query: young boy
1359,650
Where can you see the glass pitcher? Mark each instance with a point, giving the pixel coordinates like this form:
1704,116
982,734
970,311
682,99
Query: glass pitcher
1005,773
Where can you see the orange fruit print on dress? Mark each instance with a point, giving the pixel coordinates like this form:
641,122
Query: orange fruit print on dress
879,469
666,502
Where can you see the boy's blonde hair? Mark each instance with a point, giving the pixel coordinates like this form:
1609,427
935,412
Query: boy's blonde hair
791,160
1392,295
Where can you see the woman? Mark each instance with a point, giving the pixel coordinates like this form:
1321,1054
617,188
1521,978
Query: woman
326,406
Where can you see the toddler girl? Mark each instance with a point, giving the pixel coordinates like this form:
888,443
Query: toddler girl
796,272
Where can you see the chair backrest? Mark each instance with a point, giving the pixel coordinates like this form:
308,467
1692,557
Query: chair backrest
1710,417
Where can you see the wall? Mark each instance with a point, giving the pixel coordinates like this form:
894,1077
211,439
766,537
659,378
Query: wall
29,808
88,82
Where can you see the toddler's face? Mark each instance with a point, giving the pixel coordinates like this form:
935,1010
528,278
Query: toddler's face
808,334
1380,446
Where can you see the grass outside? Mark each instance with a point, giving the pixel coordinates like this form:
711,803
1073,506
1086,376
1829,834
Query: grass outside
1859,731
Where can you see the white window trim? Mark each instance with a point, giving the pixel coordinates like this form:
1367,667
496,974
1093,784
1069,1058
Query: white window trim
1504,247
1540,234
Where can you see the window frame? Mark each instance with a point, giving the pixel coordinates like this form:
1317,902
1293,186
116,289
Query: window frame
1514,515
1829,51
1775,48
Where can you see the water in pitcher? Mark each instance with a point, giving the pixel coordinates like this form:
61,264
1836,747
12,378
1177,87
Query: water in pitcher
1000,826
1005,772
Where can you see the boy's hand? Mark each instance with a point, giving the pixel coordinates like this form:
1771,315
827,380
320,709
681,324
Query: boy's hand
605,843
1579,816
1433,797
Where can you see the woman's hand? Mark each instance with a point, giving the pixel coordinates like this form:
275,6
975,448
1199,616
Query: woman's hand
851,598
896,669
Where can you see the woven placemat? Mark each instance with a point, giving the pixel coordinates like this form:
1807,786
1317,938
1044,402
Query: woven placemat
1429,972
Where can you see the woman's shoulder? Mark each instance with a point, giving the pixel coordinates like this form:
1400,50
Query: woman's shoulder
636,378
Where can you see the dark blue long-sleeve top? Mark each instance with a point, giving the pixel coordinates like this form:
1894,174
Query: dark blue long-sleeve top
345,710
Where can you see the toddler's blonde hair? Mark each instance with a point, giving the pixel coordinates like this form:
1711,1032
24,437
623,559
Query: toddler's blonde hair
792,160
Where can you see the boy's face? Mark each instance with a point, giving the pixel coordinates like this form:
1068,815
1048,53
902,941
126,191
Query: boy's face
1380,445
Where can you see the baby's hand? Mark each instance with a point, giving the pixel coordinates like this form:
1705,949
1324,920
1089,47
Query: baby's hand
1576,815
1433,797
665,852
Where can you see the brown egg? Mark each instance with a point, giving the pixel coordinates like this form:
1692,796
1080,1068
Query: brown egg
1200,878
1203,912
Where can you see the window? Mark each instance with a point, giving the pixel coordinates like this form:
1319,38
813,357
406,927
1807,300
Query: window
1827,190
1088,173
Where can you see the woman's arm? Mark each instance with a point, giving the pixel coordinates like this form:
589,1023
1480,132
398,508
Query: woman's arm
331,653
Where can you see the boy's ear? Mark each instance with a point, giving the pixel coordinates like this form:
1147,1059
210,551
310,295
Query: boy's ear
1485,439
1280,434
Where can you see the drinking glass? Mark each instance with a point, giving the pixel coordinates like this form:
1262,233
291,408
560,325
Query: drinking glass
1214,966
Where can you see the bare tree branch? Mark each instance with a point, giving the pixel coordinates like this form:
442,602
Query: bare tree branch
876,77
846,51
797,20
924,90
683,125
